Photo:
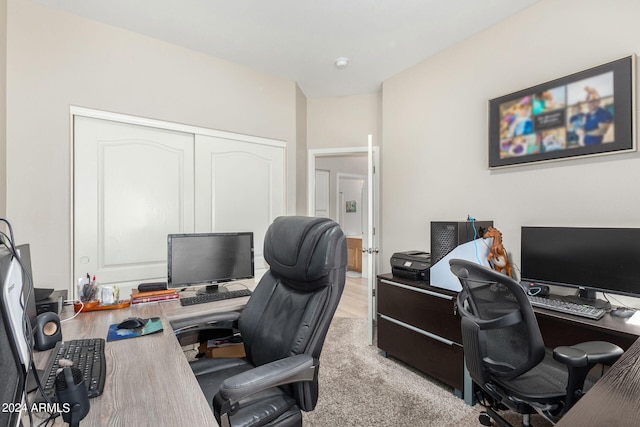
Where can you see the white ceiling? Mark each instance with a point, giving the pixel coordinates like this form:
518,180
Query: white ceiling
300,39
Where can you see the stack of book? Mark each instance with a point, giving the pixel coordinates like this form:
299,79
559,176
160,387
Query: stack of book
138,297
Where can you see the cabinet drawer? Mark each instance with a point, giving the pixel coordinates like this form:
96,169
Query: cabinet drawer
440,360
428,310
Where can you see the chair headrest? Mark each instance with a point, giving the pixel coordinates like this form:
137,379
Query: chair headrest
304,250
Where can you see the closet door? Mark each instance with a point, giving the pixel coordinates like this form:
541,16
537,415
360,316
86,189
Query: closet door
240,186
133,185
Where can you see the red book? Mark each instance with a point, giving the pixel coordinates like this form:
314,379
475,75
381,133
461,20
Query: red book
137,294
155,298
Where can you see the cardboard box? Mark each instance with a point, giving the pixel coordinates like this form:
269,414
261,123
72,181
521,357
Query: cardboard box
233,350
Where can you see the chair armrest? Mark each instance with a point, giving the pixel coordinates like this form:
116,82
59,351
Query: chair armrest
201,328
225,320
297,368
580,358
588,353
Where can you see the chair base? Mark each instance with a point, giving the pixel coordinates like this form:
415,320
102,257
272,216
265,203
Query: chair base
489,415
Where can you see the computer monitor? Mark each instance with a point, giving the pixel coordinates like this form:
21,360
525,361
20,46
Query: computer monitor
15,351
28,291
209,258
588,259
13,377
14,304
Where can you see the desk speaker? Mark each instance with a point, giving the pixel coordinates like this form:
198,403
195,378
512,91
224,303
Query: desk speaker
47,331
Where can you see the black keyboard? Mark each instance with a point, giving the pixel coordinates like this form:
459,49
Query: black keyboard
215,296
567,307
86,355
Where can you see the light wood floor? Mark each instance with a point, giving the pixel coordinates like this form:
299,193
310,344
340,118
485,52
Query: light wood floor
354,299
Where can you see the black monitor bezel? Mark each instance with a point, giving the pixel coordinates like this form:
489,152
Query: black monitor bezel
624,120
12,417
591,287
172,237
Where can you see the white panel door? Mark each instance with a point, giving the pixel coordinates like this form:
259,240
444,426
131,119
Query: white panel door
373,237
322,193
240,186
133,185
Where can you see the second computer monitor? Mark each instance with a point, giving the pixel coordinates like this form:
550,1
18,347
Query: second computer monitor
204,259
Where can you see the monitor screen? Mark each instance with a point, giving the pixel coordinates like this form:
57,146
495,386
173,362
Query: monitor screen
14,352
13,378
600,259
28,291
209,258
13,304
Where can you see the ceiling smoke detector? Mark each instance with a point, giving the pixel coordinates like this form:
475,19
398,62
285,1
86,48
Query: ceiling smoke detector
342,63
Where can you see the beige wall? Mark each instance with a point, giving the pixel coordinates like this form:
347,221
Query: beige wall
434,157
344,121
56,60
3,110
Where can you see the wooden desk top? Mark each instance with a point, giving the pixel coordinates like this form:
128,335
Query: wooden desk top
613,401
149,381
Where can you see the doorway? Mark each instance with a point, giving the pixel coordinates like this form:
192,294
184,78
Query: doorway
352,215
369,157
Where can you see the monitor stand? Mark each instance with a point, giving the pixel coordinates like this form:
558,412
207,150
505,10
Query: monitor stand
587,297
210,289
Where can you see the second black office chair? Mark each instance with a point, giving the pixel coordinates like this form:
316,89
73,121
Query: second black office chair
283,328
505,353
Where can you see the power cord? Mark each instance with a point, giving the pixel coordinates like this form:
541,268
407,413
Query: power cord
475,237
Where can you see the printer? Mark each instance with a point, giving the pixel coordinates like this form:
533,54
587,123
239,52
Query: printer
413,265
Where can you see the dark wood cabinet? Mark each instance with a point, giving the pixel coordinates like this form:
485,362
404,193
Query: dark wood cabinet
354,254
419,325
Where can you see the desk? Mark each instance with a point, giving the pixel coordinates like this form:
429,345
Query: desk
613,401
149,381
419,324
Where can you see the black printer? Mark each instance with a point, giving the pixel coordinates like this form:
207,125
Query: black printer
413,265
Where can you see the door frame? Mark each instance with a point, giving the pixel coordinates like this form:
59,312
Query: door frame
311,167
374,153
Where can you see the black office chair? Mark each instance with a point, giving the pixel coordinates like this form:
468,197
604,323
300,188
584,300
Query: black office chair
505,353
283,328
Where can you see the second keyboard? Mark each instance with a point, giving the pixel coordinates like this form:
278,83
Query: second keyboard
567,307
216,296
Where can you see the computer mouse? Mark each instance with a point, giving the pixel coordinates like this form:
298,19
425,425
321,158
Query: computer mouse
132,323
622,312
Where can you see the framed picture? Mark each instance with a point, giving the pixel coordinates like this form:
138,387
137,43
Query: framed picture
587,113
351,206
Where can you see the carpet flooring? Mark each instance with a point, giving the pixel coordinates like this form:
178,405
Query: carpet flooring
359,387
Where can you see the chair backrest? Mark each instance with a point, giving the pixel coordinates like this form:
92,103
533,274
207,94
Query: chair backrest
293,304
500,333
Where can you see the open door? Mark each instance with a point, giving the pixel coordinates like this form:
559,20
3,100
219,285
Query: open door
372,243
371,237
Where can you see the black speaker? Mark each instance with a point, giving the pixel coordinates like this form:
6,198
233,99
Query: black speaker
72,395
448,235
538,290
47,331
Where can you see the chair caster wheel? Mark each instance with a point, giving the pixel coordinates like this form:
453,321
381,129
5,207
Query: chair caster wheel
484,419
